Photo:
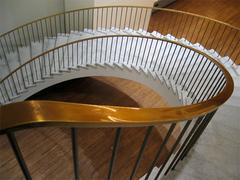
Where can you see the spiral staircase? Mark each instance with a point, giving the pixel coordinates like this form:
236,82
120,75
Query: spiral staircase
190,60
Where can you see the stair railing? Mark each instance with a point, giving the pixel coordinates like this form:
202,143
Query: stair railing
209,33
205,96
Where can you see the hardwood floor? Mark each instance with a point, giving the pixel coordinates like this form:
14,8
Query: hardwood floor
223,10
211,35
48,150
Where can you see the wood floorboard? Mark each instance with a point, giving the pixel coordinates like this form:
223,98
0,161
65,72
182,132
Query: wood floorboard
47,151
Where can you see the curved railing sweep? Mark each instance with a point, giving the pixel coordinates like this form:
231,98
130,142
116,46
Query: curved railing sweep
118,38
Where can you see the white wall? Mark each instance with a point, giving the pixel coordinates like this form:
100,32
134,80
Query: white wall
17,12
148,3
14,13
78,4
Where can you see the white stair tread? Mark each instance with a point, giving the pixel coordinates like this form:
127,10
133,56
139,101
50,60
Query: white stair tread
88,53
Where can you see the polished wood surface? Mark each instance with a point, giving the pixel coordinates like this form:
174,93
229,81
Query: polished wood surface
223,10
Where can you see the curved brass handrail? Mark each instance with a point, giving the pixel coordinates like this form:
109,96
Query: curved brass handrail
41,113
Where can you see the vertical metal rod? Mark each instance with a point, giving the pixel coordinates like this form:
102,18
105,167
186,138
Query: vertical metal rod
114,152
174,147
162,145
229,46
158,56
140,154
74,137
18,154
198,134
154,52
210,35
8,49
185,143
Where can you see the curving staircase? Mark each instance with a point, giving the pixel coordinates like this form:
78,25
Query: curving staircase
122,42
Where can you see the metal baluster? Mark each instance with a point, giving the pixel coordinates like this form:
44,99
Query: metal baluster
74,24
8,49
209,85
171,58
125,16
74,137
135,17
139,52
234,38
46,27
34,39
120,51
197,134
233,49
114,152
144,21
5,89
220,38
20,39
206,75
157,57
221,83
111,16
176,59
163,56
179,24
194,62
210,34
204,33
174,23
10,40
106,50
141,151
120,21
9,69
69,22
38,33
194,29
78,20
51,28
200,30
195,73
88,18
2,94
215,36
130,18
107,19
176,158
173,147
154,52
150,48
200,81
160,149
190,23
18,154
